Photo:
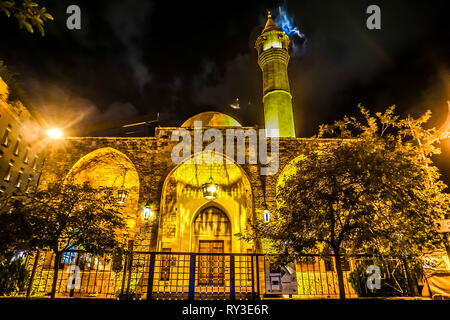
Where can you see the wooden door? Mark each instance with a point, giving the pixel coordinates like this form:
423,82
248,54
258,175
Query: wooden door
211,267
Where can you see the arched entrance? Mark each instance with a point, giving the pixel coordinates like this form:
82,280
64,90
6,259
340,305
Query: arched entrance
108,167
211,234
184,209
211,231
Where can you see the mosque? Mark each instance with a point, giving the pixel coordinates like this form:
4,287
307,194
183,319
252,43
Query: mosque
171,195
191,207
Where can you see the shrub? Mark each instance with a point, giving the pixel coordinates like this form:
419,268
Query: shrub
13,277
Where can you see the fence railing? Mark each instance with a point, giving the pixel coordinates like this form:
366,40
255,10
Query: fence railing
199,276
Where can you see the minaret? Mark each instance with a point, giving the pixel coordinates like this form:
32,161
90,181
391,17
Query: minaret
273,58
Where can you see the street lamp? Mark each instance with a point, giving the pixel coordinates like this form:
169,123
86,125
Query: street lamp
54,133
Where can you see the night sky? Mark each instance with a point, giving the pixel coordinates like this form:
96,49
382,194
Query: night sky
137,57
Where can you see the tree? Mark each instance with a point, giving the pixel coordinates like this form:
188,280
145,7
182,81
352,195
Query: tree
375,189
67,216
28,15
15,233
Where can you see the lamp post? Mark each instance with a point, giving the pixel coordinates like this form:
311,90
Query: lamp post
53,134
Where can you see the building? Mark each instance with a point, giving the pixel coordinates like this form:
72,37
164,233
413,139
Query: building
192,207
22,144
144,168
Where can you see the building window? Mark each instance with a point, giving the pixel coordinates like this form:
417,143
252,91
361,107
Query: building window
8,172
19,178
35,162
16,147
5,139
69,257
25,157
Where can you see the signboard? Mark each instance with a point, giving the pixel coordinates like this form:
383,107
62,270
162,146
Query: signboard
442,225
282,280
435,262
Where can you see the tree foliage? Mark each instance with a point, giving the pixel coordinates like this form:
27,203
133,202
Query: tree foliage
16,91
63,217
374,189
29,14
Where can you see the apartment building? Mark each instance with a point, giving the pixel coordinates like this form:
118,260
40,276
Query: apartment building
21,144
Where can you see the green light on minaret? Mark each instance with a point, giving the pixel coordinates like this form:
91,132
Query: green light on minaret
273,58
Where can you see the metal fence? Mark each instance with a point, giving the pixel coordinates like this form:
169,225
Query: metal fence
200,276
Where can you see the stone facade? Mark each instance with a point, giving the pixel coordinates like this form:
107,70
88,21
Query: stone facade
21,144
151,157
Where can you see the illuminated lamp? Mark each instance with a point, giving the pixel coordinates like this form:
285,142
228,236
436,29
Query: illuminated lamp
54,133
147,211
266,214
121,196
210,189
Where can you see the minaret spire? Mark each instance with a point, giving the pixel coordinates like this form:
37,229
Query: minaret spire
270,24
273,58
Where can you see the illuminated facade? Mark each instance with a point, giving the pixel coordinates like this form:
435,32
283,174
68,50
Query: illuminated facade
21,145
184,219
166,204
189,215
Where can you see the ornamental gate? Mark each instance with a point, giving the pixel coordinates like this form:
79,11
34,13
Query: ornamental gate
197,276
150,275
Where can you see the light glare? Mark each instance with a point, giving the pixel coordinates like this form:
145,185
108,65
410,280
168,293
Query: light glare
54,133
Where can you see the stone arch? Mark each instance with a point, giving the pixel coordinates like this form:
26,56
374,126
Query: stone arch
288,171
108,167
182,198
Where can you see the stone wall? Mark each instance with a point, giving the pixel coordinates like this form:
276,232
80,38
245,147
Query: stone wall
151,157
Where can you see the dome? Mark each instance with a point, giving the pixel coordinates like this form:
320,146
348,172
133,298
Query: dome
212,119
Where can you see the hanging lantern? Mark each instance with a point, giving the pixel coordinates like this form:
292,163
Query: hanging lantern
210,189
266,214
147,211
121,196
